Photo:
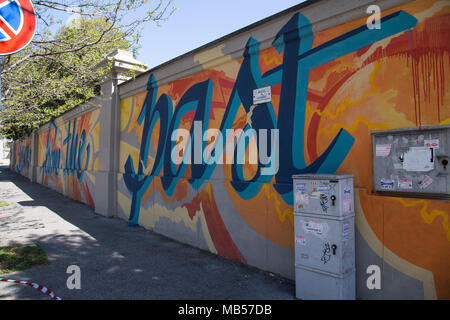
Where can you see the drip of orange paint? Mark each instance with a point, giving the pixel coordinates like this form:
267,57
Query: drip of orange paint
424,51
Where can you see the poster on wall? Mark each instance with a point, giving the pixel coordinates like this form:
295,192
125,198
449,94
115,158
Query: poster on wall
418,159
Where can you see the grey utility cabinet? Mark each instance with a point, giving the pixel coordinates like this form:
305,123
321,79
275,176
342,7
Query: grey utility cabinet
412,161
324,231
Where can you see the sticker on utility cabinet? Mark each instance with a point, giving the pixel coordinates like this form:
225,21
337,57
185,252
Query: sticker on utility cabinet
387,184
418,159
324,188
347,193
346,228
398,166
301,199
300,240
300,187
347,205
382,150
426,181
432,143
319,229
405,183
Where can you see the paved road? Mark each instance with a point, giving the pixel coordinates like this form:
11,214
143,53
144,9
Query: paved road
116,261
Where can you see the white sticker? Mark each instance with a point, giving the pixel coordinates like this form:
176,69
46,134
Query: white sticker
318,229
300,240
346,205
382,150
426,181
405,183
418,159
432,143
300,187
301,198
262,95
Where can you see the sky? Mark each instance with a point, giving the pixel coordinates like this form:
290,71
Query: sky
198,22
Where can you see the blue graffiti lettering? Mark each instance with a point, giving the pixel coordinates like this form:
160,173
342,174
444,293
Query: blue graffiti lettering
75,147
295,41
24,155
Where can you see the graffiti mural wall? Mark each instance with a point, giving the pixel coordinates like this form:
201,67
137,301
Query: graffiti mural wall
68,156
179,170
329,91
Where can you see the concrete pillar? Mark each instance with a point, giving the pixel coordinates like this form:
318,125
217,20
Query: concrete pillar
2,147
12,155
123,66
33,170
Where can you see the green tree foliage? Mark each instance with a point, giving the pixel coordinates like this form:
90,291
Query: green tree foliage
59,69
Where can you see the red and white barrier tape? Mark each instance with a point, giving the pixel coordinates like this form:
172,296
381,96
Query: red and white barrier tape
34,285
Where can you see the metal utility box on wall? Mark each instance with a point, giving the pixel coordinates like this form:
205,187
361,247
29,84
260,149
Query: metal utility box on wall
412,161
324,236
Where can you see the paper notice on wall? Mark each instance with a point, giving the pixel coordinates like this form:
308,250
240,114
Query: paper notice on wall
432,143
426,181
418,159
405,183
382,150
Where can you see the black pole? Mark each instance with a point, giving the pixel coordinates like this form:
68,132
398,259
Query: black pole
1,65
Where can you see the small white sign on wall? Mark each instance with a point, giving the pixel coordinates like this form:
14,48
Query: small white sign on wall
262,95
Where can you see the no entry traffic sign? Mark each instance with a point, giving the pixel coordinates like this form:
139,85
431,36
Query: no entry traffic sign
17,25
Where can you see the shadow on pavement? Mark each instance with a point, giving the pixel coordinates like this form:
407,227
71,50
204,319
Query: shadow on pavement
118,261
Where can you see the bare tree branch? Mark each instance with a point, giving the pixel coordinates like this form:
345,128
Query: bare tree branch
55,71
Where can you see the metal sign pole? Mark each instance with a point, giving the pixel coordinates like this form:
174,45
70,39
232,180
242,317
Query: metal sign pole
17,28
1,65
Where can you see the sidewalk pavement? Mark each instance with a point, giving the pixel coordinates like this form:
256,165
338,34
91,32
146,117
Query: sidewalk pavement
116,261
